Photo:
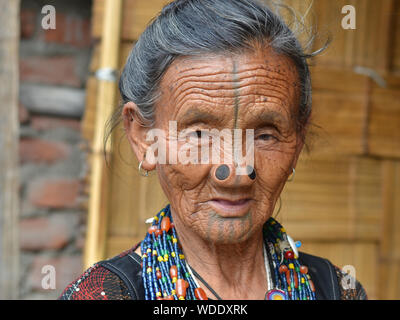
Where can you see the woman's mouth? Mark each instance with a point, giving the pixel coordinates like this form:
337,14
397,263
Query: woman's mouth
230,208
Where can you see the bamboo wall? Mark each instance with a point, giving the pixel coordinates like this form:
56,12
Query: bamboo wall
343,203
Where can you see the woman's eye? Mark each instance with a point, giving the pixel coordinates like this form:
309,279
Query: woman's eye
196,134
265,137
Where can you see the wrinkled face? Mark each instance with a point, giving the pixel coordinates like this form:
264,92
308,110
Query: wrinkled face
254,90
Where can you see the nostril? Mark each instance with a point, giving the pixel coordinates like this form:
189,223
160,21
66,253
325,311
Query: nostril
222,172
251,172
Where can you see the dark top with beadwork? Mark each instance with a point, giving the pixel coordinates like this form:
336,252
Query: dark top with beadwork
99,282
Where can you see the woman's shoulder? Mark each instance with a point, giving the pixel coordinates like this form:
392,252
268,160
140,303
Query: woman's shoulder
350,287
332,282
118,278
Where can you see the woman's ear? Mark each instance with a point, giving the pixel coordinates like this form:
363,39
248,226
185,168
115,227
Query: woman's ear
136,133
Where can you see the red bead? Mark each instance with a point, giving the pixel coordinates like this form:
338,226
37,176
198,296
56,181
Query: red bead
200,294
169,298
283,269
289,255
180,288
288,280
158,274
296,280
165,224
173,271
152,229
187,284
311,285
303,269
158,232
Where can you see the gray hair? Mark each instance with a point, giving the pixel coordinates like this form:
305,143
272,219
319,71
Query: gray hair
198,27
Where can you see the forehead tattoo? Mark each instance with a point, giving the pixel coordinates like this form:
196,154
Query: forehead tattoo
236,93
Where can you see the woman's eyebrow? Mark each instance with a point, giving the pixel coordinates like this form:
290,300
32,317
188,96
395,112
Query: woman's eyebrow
196,116
272,117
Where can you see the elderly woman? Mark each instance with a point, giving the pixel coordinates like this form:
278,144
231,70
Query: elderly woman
206,67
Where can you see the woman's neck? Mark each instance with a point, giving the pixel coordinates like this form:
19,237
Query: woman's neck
234,270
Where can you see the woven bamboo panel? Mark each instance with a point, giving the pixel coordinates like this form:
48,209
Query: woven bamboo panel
361,255
395,61
390,236
389,280
340,119
334,198
384,123
136,16
369,45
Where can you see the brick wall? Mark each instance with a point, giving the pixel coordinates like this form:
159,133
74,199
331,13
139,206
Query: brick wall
53,72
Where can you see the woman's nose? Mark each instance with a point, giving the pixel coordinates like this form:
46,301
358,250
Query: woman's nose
232,175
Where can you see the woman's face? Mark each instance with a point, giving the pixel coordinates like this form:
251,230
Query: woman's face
255,90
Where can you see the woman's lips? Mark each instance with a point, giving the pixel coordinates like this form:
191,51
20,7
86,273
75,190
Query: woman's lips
229,208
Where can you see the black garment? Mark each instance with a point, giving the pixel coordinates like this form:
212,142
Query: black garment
321,271
120,278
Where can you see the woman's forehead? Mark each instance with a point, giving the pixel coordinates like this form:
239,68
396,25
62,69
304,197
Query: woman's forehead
249,78
228,66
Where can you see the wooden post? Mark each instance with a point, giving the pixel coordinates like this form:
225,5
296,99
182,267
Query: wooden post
9,137
106,99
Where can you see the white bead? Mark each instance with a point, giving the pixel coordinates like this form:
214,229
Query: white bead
150,220
293,246
103,293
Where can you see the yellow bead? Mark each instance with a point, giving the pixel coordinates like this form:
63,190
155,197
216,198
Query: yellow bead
181,256
156,218
173,292
144,255
174,240
154,252
291,266
162,214
160,259
149,270
173,254
148,250
174,279
303,280
158,294
181,298
165,294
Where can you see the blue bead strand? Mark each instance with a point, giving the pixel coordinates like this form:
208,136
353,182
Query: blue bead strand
163,252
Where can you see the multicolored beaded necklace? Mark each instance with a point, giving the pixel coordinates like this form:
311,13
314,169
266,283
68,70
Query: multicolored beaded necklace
167,276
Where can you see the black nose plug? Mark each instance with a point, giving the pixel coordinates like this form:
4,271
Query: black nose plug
222,172
251,172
